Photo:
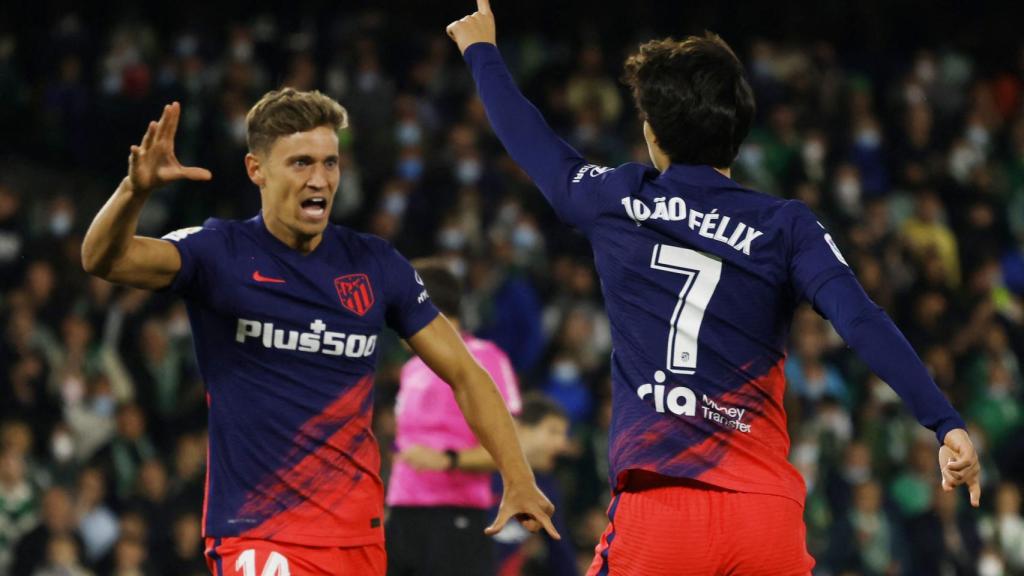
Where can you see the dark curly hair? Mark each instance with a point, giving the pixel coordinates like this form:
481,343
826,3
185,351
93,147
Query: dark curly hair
694,95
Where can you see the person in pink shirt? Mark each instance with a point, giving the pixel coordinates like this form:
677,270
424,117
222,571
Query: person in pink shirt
439,492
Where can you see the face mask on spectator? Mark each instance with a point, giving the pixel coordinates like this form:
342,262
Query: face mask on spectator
814,152
856,474
525,238
751,156
586,134
60,224
62,447
962,161
451,239
395,203
978,136
409,134
367,81
177,327
410,168
237,130
869,139
925,70
565,372
104,405
848,192
458,267
508,214
468,171
990,565
242,51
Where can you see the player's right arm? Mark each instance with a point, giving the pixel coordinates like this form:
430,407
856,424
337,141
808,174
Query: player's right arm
111,250
546,158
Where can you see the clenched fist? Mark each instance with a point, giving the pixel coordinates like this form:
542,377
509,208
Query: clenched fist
477,27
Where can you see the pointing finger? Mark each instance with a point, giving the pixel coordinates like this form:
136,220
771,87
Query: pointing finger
545,521
974,487
483,6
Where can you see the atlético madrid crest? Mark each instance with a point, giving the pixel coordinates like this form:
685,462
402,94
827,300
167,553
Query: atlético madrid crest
355,292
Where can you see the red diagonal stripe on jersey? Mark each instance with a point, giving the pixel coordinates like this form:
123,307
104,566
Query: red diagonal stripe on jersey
325,482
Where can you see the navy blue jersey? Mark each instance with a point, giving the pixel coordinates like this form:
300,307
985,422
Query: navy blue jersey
287,346
700,278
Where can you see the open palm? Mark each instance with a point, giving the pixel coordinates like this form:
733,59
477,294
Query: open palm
153,163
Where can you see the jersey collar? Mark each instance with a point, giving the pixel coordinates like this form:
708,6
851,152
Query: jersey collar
699,174
275,245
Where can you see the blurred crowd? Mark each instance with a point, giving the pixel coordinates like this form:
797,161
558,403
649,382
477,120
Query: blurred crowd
916,166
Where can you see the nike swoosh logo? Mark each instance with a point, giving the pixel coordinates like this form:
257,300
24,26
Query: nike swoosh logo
261,278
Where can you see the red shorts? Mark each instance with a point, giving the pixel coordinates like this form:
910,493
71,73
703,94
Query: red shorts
250,557
662,526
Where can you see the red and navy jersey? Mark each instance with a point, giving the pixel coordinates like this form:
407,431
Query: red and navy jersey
287,346
700,278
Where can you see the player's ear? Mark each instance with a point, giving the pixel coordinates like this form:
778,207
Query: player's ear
254,167
649,133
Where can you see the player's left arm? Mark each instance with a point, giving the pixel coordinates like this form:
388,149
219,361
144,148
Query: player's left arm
443,350
820,274
477,458
549,161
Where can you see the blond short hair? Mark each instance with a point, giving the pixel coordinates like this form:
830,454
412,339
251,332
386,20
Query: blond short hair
287,111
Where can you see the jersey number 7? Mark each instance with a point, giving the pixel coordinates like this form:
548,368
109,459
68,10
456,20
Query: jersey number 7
702,273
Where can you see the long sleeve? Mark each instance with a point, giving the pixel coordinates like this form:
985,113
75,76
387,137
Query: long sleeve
548,159
869,331
820,275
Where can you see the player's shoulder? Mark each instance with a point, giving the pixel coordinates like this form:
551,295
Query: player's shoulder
772,211
212,229
790,213
628,175
364,242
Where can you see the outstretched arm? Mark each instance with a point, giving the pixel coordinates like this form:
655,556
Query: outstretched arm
110,249
871,333
441,348
548,160
820,274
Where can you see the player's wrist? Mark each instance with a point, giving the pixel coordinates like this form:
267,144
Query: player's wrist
453,459
132,190
518,478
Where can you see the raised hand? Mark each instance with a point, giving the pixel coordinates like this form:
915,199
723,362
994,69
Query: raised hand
526,503
958,462
477,27
153,163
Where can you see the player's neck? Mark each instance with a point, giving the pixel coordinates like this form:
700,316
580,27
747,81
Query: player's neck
297,242
727,171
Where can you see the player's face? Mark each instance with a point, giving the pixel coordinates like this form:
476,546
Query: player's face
298,178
